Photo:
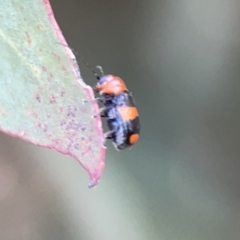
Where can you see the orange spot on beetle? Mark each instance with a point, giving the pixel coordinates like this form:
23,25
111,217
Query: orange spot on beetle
134,138
112,85
128,113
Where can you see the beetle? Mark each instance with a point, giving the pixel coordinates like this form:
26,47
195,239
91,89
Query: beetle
119,109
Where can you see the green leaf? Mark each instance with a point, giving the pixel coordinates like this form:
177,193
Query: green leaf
42,93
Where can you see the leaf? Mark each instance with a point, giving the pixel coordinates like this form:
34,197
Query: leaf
42,92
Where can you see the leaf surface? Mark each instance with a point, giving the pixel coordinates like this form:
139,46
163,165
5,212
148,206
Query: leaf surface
43,97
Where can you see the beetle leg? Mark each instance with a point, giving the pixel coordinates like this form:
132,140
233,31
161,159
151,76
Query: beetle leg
99,99
107,135
102,112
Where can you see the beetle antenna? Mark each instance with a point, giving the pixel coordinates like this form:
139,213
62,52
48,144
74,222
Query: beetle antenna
82,60
89,67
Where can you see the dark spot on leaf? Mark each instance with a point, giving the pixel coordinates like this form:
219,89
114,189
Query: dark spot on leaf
29,40
38,97
70,111
62,93
37,124
64,68
52,98
63,122
32,113
44,68
56,56
40,27
45,128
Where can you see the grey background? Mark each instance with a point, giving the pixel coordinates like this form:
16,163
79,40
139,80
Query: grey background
181,181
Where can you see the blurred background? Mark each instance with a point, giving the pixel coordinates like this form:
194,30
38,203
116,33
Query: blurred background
182,180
